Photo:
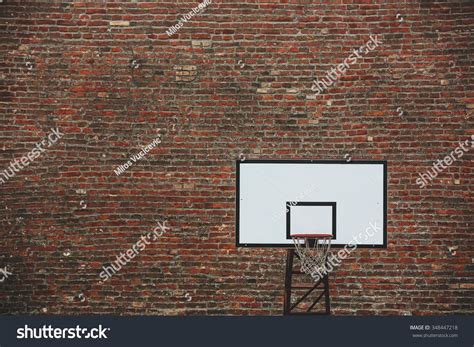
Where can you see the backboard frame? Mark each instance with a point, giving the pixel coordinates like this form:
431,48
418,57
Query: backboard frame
298,161
331,204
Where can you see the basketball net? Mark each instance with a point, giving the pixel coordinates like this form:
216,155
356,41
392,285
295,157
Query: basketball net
313,252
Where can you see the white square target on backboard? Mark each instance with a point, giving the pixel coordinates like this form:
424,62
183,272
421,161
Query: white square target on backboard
276,199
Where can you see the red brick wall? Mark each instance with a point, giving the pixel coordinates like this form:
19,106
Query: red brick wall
234,80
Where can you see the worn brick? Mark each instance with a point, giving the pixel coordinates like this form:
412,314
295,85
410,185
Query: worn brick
201,43
119,23
233,82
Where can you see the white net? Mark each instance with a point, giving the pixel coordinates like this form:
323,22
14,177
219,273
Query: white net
313,253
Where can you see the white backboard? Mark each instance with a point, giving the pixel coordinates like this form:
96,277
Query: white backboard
278,198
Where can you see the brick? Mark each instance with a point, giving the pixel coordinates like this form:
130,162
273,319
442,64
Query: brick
119,23
235,80
185,73
466,286
201,43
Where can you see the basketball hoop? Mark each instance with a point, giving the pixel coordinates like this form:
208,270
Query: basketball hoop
313,250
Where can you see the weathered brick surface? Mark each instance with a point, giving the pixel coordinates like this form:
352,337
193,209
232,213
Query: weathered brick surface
234,81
